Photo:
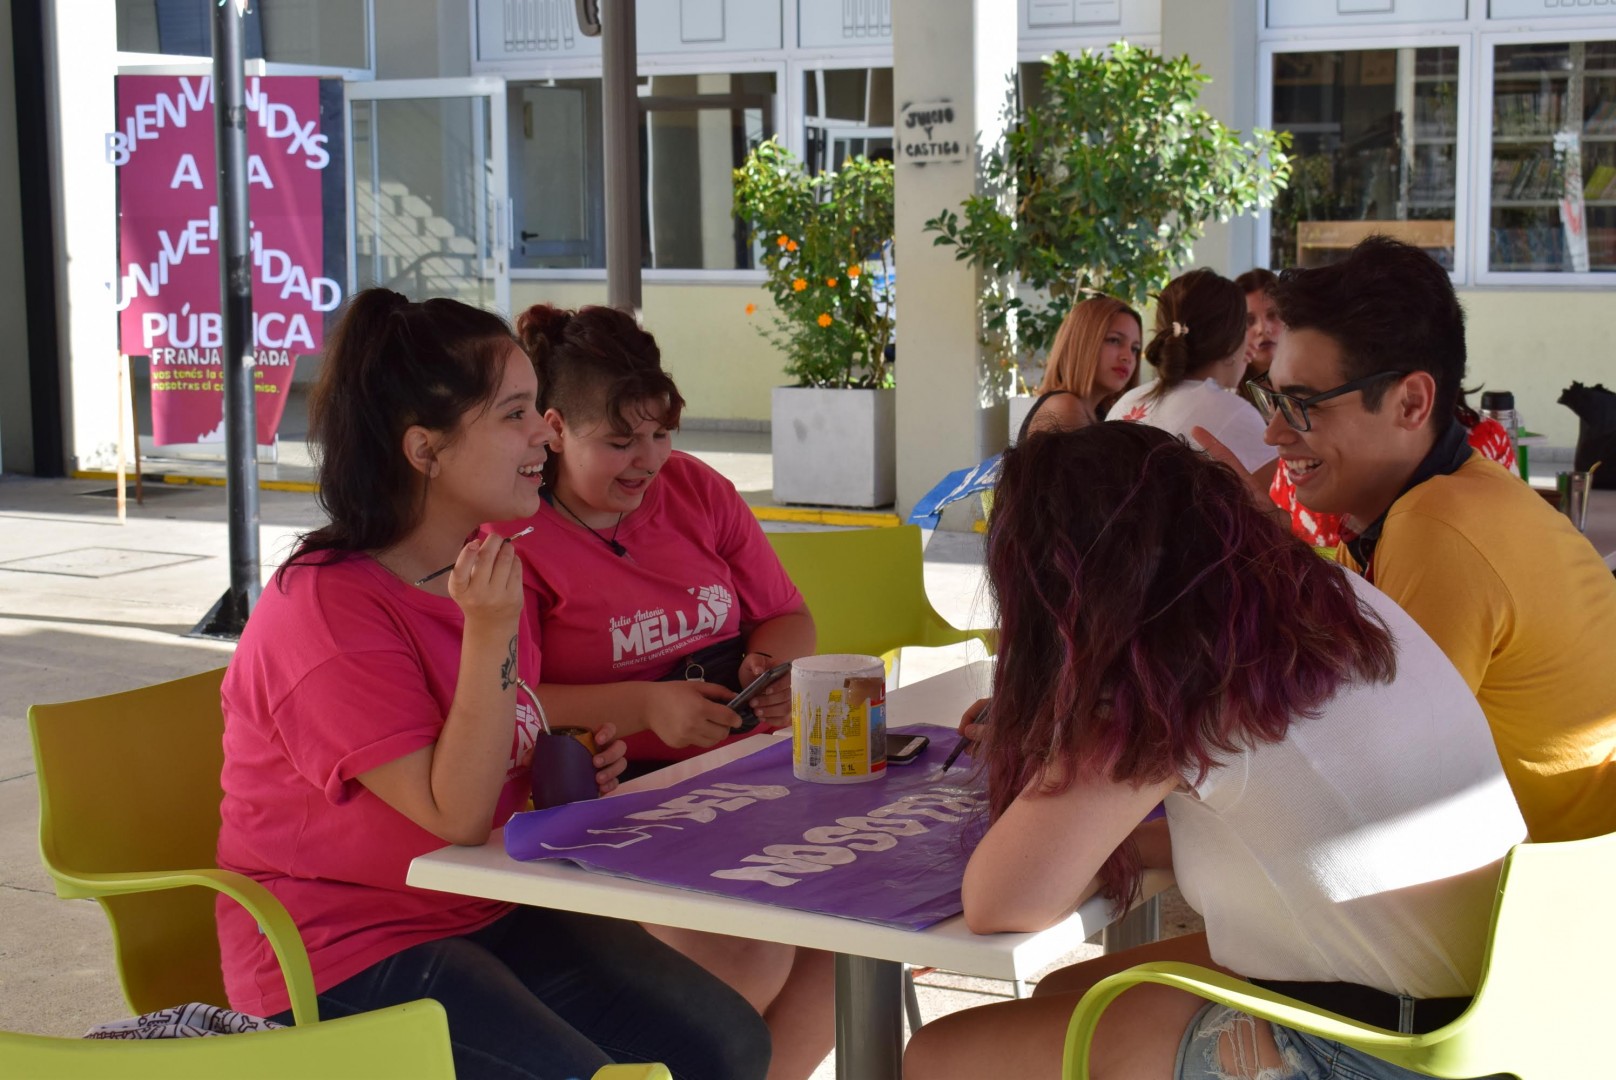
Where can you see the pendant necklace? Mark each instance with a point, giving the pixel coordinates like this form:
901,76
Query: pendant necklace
617,549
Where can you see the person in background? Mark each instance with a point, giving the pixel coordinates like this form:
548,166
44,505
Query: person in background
652,595
1361,404
1262,321
371,714
1093,359
1162,640
1199,349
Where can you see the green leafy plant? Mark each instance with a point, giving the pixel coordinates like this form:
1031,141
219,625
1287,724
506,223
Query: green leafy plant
1104,184
827,248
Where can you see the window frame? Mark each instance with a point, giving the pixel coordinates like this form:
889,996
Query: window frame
1464,134
651,66
1482,223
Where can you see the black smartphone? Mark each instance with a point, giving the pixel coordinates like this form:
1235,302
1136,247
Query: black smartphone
902,749
738,703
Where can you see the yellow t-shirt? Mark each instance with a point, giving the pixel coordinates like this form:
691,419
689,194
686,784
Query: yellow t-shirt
1526,609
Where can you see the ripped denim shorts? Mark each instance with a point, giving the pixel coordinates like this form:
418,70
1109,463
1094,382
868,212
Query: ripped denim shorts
1302,1056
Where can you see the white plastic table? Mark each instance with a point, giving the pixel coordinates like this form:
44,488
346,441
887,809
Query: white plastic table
869,1021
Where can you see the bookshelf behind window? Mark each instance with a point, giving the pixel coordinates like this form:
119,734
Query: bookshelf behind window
1553,110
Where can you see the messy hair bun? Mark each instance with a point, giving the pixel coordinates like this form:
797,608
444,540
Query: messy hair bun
1200,321
598,363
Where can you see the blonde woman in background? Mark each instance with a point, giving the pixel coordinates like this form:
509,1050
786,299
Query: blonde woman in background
1093,361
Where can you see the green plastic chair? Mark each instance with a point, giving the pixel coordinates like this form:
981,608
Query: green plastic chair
1542,1010
129,816
867,591
405,1042
410,1040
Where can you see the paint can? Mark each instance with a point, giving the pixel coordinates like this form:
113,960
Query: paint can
838,718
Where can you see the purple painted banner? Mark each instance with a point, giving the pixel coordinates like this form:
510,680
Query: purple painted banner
890,851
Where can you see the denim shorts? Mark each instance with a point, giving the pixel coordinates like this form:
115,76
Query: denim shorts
1303,1056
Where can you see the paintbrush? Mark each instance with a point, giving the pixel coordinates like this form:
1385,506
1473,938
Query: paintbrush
959,747
445,569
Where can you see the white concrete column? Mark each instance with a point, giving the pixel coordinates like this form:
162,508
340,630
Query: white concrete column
952,65
81,58
1221,36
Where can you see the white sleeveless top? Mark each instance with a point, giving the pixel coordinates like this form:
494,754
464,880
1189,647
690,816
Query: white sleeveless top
1363,848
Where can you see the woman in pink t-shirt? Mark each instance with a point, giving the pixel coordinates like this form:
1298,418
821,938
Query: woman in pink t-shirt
372,714
647,576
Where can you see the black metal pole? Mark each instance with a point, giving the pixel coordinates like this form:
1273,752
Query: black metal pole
621,121
229,615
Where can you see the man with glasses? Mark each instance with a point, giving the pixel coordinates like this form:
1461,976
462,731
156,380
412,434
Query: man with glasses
1360,401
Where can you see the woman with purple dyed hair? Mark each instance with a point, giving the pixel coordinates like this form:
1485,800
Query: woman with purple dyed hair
1335,808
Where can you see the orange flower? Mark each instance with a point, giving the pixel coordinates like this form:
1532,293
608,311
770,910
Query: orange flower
853,271
751,309
784,240
798,285
825,319
831,282
791,245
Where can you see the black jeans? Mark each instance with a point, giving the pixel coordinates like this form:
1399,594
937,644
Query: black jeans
552,995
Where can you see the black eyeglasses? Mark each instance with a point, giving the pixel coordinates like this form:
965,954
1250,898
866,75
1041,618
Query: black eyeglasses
1294,409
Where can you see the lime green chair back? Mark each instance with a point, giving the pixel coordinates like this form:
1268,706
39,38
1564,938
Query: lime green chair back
1542,1009
866,589
410,1040
406,1041
129,815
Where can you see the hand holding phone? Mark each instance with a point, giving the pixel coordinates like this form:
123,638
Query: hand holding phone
749,719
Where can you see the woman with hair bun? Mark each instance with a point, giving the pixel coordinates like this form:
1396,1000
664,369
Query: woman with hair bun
378,708
653,595
1199,352
1092,361
1335,806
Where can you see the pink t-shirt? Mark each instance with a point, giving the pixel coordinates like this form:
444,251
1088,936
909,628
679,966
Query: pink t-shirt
698,571
343,669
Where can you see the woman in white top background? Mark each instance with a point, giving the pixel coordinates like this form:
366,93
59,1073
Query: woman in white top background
1199,352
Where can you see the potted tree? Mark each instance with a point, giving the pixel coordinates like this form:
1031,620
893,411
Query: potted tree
1109,176
827,250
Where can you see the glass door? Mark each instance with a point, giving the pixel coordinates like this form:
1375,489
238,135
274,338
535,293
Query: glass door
429,213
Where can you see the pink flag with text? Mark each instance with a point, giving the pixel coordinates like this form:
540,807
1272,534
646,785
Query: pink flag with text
168,240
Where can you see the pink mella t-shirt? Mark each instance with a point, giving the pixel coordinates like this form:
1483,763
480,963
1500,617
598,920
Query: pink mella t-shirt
698,570
342,667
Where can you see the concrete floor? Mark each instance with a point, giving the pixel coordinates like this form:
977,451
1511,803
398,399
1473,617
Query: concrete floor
91,606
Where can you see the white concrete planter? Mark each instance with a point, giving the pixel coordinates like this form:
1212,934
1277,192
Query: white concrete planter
834,447
1020,406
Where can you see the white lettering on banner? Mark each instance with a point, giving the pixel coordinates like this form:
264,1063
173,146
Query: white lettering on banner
703,804
257,174
188,329
279,121
321,293
874,832
186,173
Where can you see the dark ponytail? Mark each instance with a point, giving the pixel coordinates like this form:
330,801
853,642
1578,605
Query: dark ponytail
391,364
1200,320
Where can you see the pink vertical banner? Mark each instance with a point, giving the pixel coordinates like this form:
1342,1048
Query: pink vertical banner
168,240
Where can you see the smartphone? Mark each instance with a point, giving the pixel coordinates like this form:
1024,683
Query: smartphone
738,703
902,749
